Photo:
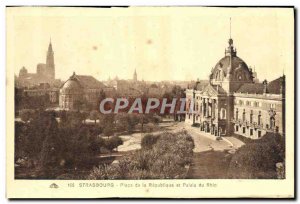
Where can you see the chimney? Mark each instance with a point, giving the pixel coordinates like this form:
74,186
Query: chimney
282,85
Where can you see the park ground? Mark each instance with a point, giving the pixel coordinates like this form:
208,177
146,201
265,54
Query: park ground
210,161
211,157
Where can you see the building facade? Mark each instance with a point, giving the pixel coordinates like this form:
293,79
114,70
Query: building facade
234,102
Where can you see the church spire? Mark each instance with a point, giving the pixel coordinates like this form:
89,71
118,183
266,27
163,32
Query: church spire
135,75
50,50
50,66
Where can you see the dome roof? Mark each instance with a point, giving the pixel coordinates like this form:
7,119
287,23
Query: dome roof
237,63
71,86
233,65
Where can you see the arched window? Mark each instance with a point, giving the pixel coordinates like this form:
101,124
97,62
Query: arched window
219,74
239,75
223,113
272,122
259,118
251,116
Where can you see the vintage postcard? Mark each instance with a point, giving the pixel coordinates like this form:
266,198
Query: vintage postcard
150,102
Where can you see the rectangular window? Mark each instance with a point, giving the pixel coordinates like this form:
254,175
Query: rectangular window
244,130
236,128
259,134
251,132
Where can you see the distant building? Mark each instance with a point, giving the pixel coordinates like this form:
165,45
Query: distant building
45,72
80,90
233,103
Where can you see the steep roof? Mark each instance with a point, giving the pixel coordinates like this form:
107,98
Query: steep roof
219,89
211,90
273,87
251,88
89,82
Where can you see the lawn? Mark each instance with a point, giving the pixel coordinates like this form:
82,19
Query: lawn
209,165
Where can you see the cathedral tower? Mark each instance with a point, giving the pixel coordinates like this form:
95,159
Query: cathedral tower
135,76
50,66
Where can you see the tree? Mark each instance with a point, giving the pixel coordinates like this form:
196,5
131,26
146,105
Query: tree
52,147
63,117
34,135
96,143
108,130
117,141
257,159
26,115
74,119
113,143
132,121
94,115
108,124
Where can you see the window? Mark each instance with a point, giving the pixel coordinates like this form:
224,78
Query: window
251,116
244,116
244,130
251,132
237,128
247,103
223,113
272,122
259,118
237,114
259,134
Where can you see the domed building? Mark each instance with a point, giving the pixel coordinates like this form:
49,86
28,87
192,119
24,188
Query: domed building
231,71
70,93
229,103
80,90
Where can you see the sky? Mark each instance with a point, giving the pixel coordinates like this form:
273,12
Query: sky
170,43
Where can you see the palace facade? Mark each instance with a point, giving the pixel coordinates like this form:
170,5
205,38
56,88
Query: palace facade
234,102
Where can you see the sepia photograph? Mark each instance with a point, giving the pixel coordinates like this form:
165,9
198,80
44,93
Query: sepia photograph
153,95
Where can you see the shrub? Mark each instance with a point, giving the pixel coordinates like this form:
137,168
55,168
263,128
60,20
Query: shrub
26,114
165,158
113,142
148,141
105,172
258,158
